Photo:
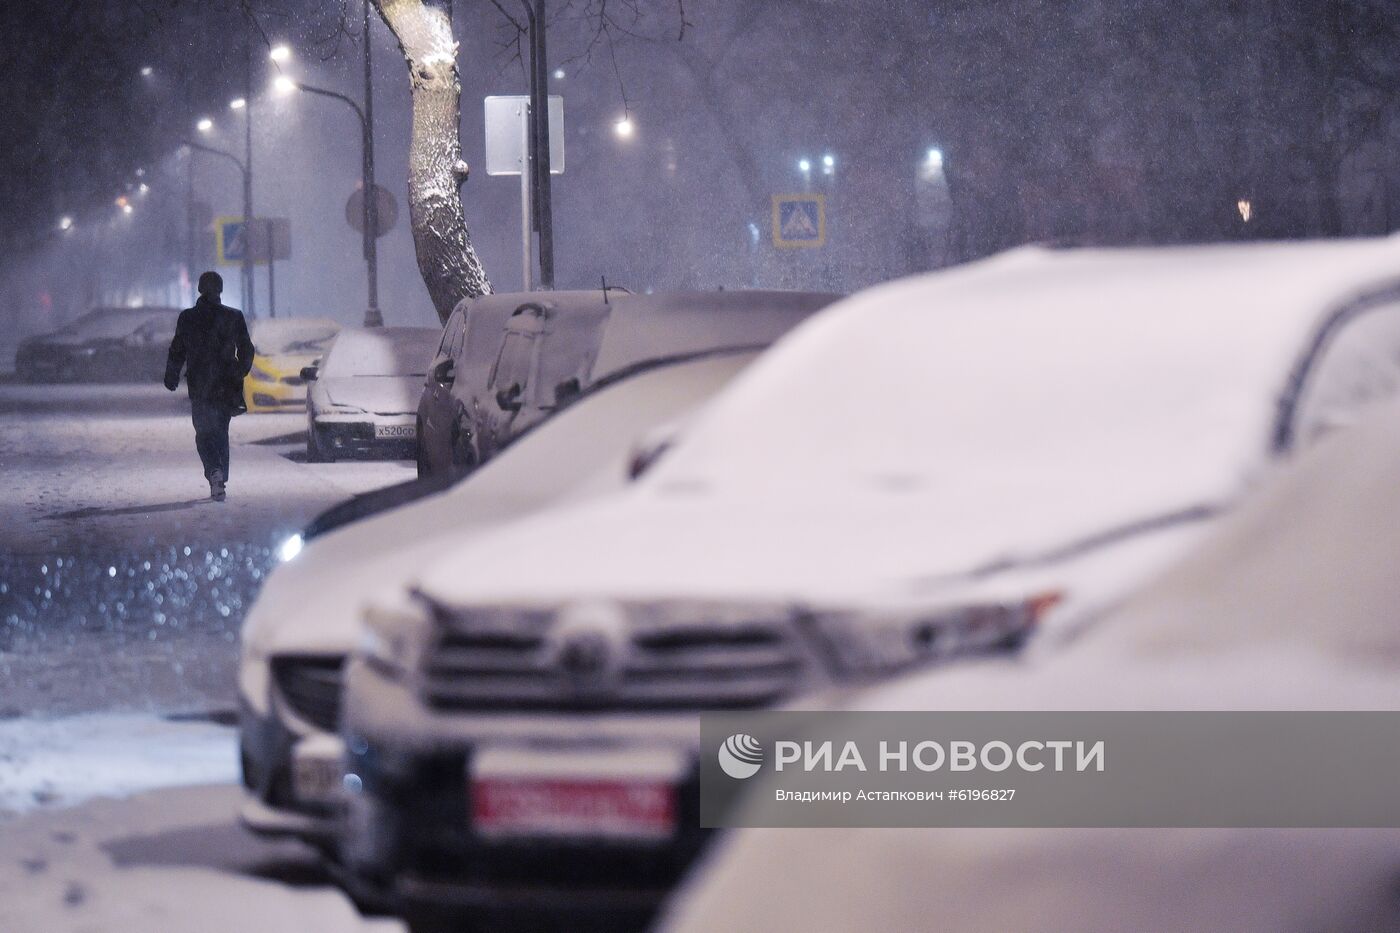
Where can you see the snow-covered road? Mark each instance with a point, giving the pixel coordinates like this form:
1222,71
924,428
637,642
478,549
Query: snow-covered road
121,584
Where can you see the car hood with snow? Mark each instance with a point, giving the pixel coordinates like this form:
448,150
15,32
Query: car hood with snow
944,430
1259,617
379,395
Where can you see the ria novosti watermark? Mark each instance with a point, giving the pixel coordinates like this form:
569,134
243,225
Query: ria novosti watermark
1198,769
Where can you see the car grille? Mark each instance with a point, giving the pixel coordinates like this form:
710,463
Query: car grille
311,687
661,665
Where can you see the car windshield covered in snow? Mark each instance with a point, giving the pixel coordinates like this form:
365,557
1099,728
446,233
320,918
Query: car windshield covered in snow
387,351
1039,391
272,338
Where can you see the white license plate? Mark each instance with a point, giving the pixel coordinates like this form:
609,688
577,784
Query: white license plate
396,431
625,794
317,771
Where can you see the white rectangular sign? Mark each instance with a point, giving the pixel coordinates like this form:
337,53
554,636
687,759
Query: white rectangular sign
505,136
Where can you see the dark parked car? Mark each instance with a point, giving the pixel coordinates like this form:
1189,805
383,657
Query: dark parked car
104,345
506,361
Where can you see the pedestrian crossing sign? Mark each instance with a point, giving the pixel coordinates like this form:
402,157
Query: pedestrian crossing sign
799,220
231,240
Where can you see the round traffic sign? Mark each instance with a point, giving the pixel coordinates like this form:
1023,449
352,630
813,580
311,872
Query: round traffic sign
385,206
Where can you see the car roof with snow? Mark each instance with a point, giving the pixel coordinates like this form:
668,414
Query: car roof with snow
681,323
293,335
957,424
116,322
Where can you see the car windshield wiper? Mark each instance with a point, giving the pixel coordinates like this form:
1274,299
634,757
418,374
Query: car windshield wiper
1076,547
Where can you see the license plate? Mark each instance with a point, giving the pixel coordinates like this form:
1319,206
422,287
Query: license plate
405,431
317,771
589,795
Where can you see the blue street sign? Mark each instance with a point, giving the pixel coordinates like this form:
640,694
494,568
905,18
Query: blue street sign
799,220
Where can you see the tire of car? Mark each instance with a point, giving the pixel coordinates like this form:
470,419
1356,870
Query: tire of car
420,454
463,453
316,451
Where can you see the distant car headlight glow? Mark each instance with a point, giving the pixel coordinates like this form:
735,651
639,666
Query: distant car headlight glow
290,548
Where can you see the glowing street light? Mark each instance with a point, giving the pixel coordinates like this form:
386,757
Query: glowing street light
238,103
65,223
559,74
828,164
147,71
204,125
283,85
127,208
934,159
143,187
624,128
1245,208
804,165
280,53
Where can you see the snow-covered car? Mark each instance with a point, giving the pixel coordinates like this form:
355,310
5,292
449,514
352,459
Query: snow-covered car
104,345
929,469
283,347
306,618
363,398
1290,604
505,361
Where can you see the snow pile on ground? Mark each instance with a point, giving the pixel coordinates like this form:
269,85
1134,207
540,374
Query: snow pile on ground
61,762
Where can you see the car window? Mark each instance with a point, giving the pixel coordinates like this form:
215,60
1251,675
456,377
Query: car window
513,363
566,356
1357,366
451,335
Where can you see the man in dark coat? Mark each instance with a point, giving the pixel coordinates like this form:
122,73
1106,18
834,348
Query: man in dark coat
212,344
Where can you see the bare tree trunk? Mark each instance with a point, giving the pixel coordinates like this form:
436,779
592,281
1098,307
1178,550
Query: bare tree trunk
448,263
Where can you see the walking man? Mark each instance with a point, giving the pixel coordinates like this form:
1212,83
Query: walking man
212,345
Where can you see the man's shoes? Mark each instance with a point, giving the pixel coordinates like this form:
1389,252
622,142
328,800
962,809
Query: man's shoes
216,487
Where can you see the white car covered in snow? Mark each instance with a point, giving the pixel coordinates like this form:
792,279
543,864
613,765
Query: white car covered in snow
917,473
363,398
306,619
1291,604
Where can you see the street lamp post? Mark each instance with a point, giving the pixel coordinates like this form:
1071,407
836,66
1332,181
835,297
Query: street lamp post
371,221
538,154
369,210
247,186
249,299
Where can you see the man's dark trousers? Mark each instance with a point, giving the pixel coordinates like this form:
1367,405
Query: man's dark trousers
211,436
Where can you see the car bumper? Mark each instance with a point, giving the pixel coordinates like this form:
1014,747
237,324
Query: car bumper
408,830
347,435
261,396
269,747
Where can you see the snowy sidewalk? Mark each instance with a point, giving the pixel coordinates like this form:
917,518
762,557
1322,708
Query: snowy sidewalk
169,861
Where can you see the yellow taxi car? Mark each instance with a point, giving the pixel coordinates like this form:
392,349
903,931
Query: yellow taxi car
282,348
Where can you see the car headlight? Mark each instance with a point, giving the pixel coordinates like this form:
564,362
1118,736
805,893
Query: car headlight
291,547
394,636
865,644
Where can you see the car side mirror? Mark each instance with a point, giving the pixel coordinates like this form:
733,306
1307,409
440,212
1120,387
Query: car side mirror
566,391
509,399
445,373
308,374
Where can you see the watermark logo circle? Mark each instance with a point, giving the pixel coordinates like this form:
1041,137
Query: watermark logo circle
740,756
